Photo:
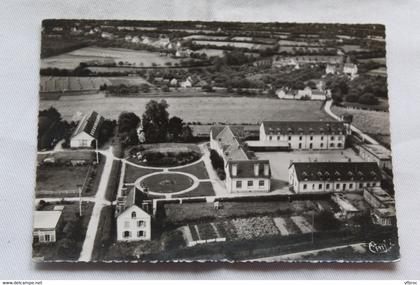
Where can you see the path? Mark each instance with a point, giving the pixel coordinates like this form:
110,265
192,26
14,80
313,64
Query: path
100,202
218,185
327,108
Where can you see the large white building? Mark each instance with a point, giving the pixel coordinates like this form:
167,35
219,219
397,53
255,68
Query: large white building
87,131
324,177
244,172
304,134
133,221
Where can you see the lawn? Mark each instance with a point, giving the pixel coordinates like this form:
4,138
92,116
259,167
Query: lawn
203,189
280,161
106,233
229,110
62,180
69,244
198,170
132,173
167,182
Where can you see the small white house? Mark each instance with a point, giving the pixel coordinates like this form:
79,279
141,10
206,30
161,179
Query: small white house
45,226
187,83
350,69
173,82
330,69
87,131
133,222
135,40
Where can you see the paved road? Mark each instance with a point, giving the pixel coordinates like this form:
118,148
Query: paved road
100,202
327,108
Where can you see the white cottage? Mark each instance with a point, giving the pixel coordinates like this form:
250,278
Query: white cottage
87,131
133,219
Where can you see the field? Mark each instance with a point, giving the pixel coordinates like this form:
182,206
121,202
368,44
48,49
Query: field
371,122
252,46
63,84
72,59
242,110
167,182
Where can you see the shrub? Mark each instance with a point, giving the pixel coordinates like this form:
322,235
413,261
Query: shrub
325,221
216,159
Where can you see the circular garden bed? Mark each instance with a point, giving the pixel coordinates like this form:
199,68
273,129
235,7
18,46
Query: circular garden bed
167,182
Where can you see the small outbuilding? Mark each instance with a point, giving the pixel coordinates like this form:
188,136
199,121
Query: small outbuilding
45,226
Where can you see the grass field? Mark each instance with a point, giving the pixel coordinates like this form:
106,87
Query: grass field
167,182
66,84
132,173
203,189
231,110
371,122
72,59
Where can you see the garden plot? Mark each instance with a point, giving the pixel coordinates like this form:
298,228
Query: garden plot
281,225
303,225
255,227
202,233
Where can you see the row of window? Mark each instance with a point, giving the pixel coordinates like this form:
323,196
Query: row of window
140,224
310,138
250,183
338,185
321,145
127,234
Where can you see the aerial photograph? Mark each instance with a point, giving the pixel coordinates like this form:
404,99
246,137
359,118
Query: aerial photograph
213,141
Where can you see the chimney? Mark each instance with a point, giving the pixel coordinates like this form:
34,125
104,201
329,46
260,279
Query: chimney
234,169
256,169
266,169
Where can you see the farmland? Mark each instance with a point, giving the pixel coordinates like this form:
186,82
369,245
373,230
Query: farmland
72,59
244,110
252,46
71,84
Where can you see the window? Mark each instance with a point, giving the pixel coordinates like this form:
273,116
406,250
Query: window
261,183
321,145
133,215
238,184
322,138
47,238
313,186
270,137
311,137
290,137
332,138
339,145
141,223
126,234
278,138
300,145
337,186
126,224
320,186
310,145
360,185
140,234
84,142
331,145
250,183
327,186
351,186
300,138
304,186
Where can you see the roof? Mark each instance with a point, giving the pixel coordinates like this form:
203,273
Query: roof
346,171
318,92
245,168
46,219
378,150
90,125
381,195
134,197
303,127
215,131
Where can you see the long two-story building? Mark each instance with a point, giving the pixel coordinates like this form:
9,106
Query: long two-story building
304,134
324,177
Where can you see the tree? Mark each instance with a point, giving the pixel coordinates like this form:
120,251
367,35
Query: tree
368,99
186,134
175,126
155,121
106,131
127,121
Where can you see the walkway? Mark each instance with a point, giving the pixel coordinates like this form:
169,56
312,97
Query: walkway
327,108
100,202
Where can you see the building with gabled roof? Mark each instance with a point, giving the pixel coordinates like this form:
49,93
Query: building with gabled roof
133,219
322,177
87,131
304,134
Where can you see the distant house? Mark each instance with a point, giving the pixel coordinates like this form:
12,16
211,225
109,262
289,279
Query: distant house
376,153
87,131
135,40
285,93
324,177
106,35
45,226
331,69
306,93
304,134
133,220
280,61
183,53
248,176
188,83
128,38
173,82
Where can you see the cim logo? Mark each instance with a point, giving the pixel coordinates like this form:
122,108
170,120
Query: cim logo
381,247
